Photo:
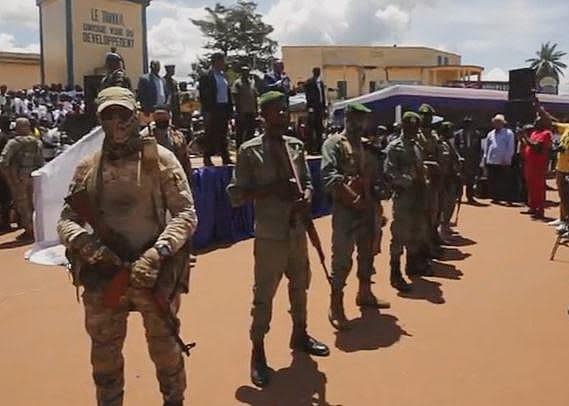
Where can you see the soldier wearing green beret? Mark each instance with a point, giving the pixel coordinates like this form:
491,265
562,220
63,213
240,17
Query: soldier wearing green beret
451,176
349,172
429,142
264,174
404,168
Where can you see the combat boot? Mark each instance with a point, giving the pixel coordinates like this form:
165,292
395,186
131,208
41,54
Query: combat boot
396,278
174,403
259,369
424,266
301,341
366,298
336,314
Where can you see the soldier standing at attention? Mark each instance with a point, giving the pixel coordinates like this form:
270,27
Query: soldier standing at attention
429,142
133,184
21,156
349,172
115,76
404,167
450,172
263,175
169,137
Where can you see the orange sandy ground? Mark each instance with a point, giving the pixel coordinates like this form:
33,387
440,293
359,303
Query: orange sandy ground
491,329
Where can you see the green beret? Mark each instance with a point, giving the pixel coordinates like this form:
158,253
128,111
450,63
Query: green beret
115,96
355,107
410,115
426,109
271,97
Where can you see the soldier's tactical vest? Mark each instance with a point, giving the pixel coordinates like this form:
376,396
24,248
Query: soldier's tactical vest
26,156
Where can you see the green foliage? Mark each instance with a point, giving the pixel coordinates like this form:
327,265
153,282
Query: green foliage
240,33
548,61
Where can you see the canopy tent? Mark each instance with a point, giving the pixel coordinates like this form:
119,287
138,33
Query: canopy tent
452,102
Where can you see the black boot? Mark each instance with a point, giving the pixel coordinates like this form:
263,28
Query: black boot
259,368
411,268
174,403
366,298
301,341
336,314
424,265
397,280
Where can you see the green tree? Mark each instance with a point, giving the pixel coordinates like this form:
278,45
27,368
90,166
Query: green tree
240,33
548,62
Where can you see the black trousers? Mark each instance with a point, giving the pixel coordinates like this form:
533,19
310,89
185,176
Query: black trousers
245,128
216,127
500,183
315,131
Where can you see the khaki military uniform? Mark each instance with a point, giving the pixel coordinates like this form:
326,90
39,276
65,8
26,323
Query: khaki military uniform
350,227
404,167
450,172
116,78
431,151
133,201
174,141
280,241
21,156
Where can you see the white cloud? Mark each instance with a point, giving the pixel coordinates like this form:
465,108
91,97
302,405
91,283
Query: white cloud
7,44
495,74
174,39
24,13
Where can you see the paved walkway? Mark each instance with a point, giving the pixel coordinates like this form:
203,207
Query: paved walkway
490,329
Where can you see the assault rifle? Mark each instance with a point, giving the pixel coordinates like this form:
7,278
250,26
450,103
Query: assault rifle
80,203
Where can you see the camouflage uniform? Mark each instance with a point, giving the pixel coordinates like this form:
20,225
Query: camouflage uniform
173,140
133,196
21,156
280,246
116,78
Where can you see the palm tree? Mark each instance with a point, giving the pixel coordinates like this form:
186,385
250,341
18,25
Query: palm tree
548,62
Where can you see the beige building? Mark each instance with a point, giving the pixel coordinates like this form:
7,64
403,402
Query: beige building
19,70
356,70
77,34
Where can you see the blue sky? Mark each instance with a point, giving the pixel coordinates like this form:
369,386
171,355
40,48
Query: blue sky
498,35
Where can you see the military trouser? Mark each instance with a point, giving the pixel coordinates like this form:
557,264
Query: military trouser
449,197
22,193
107,329
273,259
408,230
350,229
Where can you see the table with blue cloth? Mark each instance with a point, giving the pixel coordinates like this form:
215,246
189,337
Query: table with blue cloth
221,224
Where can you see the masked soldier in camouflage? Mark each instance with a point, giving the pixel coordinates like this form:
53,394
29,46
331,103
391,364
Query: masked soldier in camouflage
133,184
404,167
450,172
115,76
349,172
429,142
263,174
21,156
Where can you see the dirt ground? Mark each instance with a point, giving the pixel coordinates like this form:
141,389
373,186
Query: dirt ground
491,328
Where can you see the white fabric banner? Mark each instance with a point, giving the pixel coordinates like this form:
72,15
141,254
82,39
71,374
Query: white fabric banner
51,185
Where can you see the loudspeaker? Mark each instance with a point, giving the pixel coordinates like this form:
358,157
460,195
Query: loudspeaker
522,84
520,112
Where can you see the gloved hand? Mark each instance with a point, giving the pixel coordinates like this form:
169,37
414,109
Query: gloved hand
145,270
93,251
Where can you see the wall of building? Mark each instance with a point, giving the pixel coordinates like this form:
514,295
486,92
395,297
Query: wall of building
54,41
99,25
18,74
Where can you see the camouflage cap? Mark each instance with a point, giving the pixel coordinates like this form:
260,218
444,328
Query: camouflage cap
355,107
271,97
410,116
116,96
426,109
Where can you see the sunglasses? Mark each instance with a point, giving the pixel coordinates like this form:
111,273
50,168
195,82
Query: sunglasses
110,114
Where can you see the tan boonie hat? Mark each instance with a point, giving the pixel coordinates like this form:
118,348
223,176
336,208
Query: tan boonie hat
116,96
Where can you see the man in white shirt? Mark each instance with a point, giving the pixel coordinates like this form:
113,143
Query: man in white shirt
498,153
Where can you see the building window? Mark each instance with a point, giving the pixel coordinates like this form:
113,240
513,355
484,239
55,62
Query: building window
440,60
342,87
372,86
446,60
